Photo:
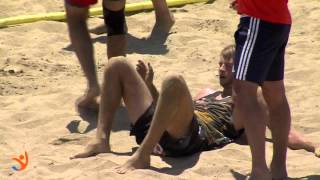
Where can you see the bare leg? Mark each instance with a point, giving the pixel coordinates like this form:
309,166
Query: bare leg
280,120
173,113
297,141
121,80
80,39
164,18
250,112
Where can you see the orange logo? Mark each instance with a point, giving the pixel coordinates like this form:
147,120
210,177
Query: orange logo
23,161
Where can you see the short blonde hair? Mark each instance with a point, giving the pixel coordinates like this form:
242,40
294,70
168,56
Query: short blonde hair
228,52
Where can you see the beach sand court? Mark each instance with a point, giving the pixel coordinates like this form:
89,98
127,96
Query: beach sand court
40,79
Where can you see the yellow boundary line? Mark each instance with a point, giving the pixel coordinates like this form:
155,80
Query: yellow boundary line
59,16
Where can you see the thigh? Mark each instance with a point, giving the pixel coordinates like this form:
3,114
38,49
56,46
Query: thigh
136,95
81,3
76,13
274,93
183,108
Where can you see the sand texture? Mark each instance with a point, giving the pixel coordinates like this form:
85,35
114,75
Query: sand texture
40,80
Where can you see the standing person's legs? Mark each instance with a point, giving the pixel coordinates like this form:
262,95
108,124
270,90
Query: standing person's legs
121,80
164,20
174,114
81,42
256,58
248,109
280,119
114,17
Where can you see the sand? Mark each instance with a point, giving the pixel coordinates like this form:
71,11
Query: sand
40,79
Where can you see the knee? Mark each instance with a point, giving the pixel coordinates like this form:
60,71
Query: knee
174,84
245,94
275,100
114,5
117,66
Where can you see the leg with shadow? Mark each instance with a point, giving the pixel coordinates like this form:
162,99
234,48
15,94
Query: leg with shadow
81,42
121,80
280,119
174,113
164,19
296,140
249,111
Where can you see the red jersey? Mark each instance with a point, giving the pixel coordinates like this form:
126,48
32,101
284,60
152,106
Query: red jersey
274,11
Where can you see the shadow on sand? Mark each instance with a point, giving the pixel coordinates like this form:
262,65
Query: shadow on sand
239,176
121,121
178,165
154,45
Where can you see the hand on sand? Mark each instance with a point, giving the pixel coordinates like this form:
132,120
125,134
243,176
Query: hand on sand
135,162
99,146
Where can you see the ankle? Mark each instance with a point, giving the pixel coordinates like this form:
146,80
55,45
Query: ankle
278,170
260,174
93,91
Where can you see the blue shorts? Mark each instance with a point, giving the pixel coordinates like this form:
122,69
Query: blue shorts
260,50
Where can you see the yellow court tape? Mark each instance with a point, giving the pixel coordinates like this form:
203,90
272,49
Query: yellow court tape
58,16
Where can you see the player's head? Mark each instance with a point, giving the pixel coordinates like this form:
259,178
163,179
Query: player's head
225,65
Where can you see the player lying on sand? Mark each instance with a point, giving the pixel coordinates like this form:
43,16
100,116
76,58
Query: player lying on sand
170,123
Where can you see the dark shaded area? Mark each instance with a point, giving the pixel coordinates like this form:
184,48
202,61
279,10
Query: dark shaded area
121,120
153,45
178,165
239,176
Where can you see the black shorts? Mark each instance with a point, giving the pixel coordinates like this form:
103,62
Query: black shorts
171,146
260,50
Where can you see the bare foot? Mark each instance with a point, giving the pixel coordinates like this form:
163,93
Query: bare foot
89,100
298,141
260,175
162,27
97,147
135,162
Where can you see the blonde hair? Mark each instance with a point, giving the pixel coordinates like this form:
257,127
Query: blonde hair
228,52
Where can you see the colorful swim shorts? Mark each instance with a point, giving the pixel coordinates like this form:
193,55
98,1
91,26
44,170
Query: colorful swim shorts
81,3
